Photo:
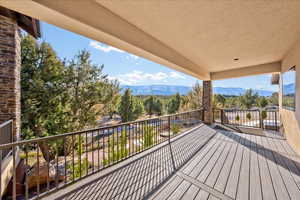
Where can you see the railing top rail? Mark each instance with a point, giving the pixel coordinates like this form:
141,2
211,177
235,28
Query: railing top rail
241,109
5,123
234,109
42,139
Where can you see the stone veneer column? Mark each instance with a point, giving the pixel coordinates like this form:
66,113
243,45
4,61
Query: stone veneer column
10,64
207,102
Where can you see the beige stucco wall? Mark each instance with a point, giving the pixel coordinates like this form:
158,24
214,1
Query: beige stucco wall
291,119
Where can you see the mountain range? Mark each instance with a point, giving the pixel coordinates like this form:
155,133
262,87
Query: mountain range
289,88
183,90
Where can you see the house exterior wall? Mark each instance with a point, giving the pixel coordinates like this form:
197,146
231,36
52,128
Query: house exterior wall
10,64
291,119
10,90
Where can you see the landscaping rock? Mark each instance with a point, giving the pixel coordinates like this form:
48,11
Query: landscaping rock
35,175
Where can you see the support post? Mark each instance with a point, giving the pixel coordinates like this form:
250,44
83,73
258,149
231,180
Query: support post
207,102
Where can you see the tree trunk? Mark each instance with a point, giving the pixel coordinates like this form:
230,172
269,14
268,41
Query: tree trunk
48,154
45,148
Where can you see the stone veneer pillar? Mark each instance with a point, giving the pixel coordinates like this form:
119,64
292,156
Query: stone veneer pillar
10,64
207,102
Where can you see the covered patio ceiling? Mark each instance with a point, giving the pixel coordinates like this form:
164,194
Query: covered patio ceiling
207,39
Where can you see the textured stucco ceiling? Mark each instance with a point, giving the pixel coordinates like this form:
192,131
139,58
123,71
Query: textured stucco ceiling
201,37
213,33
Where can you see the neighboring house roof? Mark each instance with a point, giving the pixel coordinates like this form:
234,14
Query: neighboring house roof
30,25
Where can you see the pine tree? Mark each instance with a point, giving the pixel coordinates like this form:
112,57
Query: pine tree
126,106
87,87
43,94
248,99
262,102
58,97
153,106
174,104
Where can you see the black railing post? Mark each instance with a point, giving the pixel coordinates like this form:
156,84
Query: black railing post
276,127
1,175
222,113
14,196
169,126
260,119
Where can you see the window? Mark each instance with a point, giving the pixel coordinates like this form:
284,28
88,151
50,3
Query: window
289,89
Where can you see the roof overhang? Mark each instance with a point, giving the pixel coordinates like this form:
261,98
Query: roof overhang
30,25
206,39
247,71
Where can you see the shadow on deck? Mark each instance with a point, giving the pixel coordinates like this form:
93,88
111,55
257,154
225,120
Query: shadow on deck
200,164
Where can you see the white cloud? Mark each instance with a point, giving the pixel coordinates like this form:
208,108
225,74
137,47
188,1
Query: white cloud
137,76
176,75
259,87
134,76
156,76
104,47
133,56
122,81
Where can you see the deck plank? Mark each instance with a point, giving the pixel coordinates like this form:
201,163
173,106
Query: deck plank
211,163
232,184
279,186
243,186
204,165
212,197
284,170
214,174
225,171
168,189
202,195
290,162
190,193
219,145
266,180
194,162
180,190
255,182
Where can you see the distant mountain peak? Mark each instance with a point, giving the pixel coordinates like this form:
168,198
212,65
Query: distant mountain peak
184,90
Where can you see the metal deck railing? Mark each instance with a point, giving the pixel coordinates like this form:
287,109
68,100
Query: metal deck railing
6,136
57,161
264,119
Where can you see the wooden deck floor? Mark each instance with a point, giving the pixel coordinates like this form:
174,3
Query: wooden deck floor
202,164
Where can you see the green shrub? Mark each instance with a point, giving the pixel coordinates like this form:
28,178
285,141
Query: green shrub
237,118
117,150
248,116
264,114
176,128
30,154
148,137
79,170
79,145
81,166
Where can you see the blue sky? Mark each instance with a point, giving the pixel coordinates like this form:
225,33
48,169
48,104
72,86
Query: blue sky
130,69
